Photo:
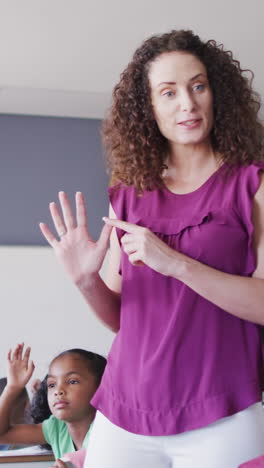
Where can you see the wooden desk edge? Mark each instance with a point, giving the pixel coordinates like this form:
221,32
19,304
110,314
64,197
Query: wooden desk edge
26,458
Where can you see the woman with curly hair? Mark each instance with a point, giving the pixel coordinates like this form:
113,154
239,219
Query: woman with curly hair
185,284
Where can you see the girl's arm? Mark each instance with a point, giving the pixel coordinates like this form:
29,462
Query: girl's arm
82,258
19,371
24,434
240,296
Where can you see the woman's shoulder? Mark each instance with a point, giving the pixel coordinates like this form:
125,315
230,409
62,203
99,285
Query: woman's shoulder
242,180
118,189
251,176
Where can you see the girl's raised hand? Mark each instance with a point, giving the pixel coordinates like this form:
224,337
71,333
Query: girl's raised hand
19,367
78,252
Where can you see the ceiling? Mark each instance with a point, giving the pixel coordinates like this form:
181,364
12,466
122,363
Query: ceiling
63,57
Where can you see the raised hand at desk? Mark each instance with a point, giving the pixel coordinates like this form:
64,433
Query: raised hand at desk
78,252
19,367
60,464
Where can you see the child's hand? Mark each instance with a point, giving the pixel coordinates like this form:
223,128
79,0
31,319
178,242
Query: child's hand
19,368
60,464
35,385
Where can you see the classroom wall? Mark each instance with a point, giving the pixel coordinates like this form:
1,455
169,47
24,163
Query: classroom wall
41,307
38,303
40,156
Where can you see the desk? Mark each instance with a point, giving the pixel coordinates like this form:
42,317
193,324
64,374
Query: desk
39,464
27,461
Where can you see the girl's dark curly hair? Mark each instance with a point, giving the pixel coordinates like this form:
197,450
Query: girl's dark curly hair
39,408
95,362
136,150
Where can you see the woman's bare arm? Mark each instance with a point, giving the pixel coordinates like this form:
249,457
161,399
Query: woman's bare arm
104,296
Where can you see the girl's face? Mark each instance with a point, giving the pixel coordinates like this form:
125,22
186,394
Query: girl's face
181,98
70,388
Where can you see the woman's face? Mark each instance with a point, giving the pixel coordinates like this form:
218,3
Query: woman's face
181,97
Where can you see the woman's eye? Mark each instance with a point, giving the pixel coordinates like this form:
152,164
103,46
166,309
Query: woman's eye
198,87
168,94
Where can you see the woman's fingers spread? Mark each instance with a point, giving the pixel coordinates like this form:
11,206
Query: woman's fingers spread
105,236
66,211
57,219
81,213
50,238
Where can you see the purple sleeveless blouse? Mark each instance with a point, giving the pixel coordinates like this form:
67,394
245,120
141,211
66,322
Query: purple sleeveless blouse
178,361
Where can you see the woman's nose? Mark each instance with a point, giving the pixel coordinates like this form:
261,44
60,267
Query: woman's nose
186,102
60,391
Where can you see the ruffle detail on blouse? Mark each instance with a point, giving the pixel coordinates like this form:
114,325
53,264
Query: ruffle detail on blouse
192,234
173,226
169,226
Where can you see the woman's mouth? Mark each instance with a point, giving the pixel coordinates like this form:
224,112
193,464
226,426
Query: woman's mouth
192,123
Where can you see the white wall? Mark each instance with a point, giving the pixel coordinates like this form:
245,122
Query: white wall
63,57
41,307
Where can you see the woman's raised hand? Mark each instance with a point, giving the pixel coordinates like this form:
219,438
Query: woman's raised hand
19,367
78,252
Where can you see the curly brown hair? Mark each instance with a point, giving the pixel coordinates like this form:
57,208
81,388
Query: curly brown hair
136,149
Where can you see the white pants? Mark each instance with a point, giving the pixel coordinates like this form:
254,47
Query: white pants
223,444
